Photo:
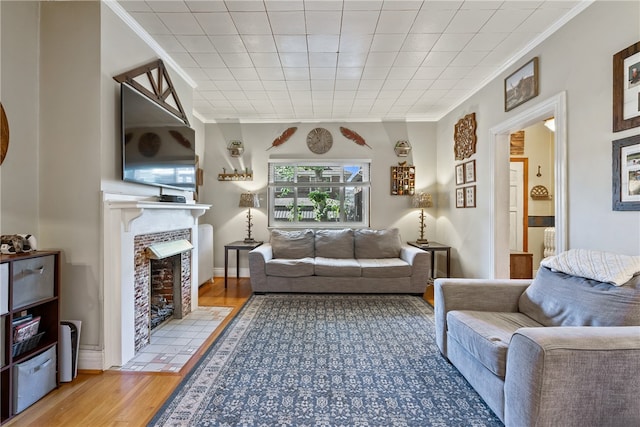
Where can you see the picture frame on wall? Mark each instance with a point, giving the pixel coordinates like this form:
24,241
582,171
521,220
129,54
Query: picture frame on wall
522,85
470,196
460,174
626,174
626,88
460,197
470,171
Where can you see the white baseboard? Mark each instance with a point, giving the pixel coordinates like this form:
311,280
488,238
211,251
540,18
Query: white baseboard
91,360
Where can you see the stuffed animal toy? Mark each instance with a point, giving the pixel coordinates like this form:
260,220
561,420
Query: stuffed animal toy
11,244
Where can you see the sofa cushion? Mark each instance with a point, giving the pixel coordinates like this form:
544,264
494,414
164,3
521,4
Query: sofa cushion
384,267
299,267
558,299
334,243
337,267
597,265
292,244
377,243
486,335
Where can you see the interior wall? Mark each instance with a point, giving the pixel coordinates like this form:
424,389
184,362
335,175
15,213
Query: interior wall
19,48
229,221
602,29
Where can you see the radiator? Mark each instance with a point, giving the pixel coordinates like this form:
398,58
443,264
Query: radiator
549,241
205,253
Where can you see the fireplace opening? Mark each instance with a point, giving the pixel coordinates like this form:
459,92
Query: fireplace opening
166,283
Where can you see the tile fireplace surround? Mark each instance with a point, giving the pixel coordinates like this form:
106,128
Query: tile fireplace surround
126,217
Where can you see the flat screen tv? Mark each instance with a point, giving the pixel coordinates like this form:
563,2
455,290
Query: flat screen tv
158,148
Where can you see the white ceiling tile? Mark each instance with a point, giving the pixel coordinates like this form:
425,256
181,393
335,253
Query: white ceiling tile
135,6
323,4
196,44
256,95
322,73
538,21
485,42
323,42
251,22
298,85
458,73
352,59
169,43
205,6
363,5
428,73
359,22
323,60
387,42
168,6
321,84
185,60
248,85
397,84
419,84
367,95
265,59
216,23
348,73
347,84
244,5
344,95
151,23
409,59
235,95
219,74
195,73
279,95
289,22
259,43
439,59
469,21
468,59
291,43
276,5
268,73
274,84
506,21
355,42
480,5
452,42
228,44
204,85
403,5
293,59
396,21
244,73
515,42
375,72
401,73
380,59
419,42
213,95
181,23
429,21
371,85
323,22
296,73
236,59
443,84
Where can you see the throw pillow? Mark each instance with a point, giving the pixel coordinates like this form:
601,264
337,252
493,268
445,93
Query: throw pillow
334,243
377,243
601,266
292,244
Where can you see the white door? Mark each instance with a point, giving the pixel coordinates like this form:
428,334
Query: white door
516,206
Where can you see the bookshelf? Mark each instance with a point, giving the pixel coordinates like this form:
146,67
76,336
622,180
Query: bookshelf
403,180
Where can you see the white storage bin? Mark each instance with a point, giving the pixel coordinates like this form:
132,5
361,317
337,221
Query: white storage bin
33,379
33,280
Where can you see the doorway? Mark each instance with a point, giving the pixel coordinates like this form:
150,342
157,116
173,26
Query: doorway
500,166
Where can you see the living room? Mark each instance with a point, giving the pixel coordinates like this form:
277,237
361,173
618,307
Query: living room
57,67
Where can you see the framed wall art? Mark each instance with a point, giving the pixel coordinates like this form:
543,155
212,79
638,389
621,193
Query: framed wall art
460,197
470,171
522,85
470,196
460,174
626,174
626,88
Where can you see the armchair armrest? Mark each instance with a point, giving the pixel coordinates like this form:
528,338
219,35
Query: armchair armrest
573,376
420,262
473,294
258,258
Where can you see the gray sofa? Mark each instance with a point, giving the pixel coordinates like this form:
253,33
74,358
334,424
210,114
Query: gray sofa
338,261
563,350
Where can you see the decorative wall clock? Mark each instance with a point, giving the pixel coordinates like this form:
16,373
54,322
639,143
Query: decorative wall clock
465,137
319,140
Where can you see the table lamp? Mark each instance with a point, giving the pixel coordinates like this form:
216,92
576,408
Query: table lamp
422,200
249,200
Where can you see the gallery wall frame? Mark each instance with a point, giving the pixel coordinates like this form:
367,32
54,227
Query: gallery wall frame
460,197
470,171
626,174
470,196
626,88
460,174
521,85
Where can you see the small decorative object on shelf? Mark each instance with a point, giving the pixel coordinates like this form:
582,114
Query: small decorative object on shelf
402,148
235,176
422,200
403,180
249,200
236,148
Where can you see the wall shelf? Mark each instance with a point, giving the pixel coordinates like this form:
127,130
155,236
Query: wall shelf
403,180
235,177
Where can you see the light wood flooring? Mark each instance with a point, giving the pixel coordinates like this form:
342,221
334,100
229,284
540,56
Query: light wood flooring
116,398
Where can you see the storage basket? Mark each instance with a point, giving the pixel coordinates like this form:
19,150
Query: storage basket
26,345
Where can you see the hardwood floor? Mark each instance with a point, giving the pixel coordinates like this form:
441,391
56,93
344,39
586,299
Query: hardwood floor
116,398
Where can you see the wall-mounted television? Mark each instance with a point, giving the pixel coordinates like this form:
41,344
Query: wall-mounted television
158,148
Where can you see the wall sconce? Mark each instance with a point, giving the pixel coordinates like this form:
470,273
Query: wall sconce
402,148
249,200
422,200
236,148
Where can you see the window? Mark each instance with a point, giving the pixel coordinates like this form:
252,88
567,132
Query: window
308,194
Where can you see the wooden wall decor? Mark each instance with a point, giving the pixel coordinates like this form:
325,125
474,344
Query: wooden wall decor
516,143
465,137
160,83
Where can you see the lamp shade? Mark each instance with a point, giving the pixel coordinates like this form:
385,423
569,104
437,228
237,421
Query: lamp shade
249,200
422,200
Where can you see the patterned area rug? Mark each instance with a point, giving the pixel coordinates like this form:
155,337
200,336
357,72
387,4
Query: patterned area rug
326,360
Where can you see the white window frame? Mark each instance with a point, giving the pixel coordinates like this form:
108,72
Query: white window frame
364,164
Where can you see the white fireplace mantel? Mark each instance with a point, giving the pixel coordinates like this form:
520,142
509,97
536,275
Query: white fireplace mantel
125,217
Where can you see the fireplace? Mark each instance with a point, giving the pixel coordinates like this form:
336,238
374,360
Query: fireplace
131,227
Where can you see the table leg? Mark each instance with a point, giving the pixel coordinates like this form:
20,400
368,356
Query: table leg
433,264
237,264
448,262
226,265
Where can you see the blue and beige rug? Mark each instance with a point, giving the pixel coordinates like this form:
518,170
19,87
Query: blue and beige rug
326,360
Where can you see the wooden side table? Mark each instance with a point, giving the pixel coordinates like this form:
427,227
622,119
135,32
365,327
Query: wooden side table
432,247
238,246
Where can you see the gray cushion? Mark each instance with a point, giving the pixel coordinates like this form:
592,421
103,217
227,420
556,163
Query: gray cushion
377,243
558,299
486,335
292,244
385,267
281,267
334,243
337,267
